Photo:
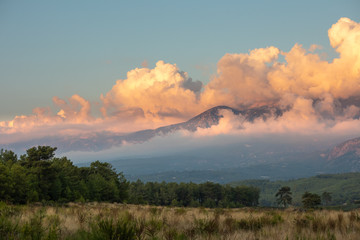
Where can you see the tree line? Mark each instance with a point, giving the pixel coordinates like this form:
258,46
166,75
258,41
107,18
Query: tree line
309,200
193,195
39,176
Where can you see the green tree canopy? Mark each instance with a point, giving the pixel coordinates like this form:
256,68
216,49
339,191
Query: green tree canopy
283,196
40,176
326,197
310,200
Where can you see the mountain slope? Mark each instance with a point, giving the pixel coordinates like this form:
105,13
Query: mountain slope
344,188
226,164
97,141
345,156
206,119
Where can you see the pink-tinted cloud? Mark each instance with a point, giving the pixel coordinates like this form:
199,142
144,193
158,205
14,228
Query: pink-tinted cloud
318,95
307,75
241,80
76,111
160,94
257,79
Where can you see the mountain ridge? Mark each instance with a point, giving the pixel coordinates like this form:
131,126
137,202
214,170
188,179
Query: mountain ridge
99,141
210,118
345,155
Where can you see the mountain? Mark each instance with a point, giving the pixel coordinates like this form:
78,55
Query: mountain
98,141
206,119
212,116
233,163
345,156
350,146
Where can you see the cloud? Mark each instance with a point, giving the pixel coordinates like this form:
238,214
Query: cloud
319,96
307,75
77,110
159,94
73,117
257,78
229,124
241,80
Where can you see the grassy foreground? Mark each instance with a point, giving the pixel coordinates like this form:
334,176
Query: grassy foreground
121,221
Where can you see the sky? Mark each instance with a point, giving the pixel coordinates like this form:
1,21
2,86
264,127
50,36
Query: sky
70,67
51,48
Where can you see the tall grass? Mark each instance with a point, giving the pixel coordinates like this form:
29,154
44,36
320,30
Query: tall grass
127,222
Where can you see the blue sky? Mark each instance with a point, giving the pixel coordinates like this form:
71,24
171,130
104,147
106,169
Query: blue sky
61,48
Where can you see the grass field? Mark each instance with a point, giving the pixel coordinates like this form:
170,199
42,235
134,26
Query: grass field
121,221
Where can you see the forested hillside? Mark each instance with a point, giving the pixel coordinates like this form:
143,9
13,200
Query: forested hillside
40,176
192,195
344,188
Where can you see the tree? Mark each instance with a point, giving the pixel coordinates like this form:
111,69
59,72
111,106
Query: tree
8,157
284,196
105,184
310,200
36,155
38,161
20,183
326,197
67,180
5,183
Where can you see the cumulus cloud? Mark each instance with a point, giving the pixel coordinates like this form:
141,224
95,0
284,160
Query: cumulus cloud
158,94
307,75
242,81
77,110
317,96
257,79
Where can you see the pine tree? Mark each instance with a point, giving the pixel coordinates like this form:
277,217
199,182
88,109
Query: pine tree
284,196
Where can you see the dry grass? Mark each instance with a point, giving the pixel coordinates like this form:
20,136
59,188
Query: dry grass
148,222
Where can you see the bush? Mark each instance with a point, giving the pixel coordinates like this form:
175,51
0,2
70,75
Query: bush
207,226
310,200
34,229
8,229
122,229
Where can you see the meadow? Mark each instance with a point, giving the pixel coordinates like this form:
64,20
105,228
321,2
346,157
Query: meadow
124,221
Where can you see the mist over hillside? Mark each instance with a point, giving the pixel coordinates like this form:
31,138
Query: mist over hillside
216,146
225,158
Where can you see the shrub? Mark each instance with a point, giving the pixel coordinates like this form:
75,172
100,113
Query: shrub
180,211
153,227
122,229
229,225
318,225
140,227
33,229
207,226
154,211
251,224
54,229
310,200
8,229
301,223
